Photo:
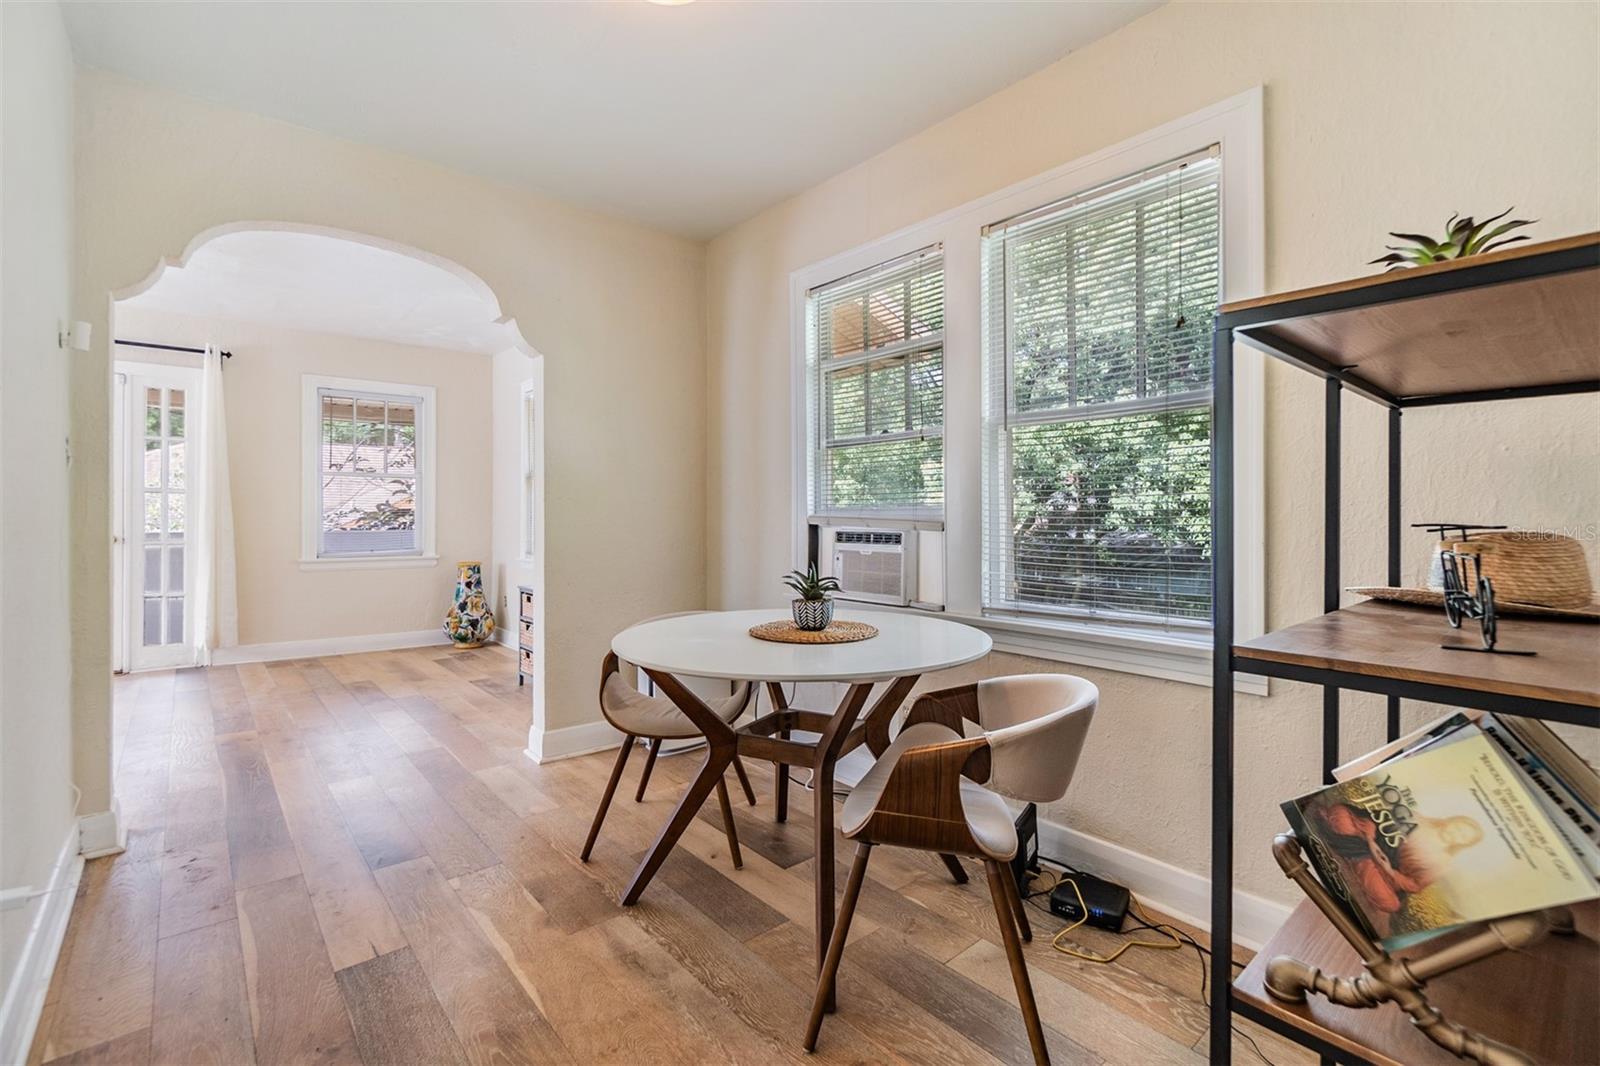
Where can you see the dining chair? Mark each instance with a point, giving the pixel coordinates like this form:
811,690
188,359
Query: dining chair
936,789
655,718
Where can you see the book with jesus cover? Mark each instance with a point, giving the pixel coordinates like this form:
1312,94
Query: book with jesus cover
1447,835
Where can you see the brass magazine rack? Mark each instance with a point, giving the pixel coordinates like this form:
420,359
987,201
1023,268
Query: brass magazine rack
1403,982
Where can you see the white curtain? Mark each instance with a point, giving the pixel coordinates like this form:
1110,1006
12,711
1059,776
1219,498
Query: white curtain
214,597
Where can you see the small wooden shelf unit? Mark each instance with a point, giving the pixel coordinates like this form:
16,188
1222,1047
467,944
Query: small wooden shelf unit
1518,323
524,634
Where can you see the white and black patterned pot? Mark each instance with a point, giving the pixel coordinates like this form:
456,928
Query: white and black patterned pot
813,614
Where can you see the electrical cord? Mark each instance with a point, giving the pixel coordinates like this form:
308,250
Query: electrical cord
1178,937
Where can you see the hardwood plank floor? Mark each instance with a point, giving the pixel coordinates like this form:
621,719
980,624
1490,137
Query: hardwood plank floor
349,860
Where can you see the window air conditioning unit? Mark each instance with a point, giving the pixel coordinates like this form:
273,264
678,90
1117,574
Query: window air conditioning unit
875,565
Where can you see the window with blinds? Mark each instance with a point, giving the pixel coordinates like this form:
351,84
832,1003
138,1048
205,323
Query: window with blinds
1097,348
875,345
367,473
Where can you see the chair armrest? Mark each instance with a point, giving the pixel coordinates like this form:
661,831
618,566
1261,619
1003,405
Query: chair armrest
921,802
948,707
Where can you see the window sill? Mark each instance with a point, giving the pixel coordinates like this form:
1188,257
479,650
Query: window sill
1146,652
376,562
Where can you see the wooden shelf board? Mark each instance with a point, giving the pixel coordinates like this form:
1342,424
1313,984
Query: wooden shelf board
1400,641
1542,1000
1536,332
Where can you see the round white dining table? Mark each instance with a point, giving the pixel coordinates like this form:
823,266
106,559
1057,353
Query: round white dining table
718,644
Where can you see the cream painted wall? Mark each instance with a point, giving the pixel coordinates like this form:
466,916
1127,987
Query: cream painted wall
278,601
616,310
36,174
1364,133
510,370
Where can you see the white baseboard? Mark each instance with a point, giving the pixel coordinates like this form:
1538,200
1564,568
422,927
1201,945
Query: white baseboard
1174,891
102,834
313,649
30,981
555,744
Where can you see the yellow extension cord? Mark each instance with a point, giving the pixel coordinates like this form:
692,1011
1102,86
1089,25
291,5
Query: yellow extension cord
1083,916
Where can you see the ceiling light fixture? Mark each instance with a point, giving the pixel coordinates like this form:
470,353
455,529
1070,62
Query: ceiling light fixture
671,3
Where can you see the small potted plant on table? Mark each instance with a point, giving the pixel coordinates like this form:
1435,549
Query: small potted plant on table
813,610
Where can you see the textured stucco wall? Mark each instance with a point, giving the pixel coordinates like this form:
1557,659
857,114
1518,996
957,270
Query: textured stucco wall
36,297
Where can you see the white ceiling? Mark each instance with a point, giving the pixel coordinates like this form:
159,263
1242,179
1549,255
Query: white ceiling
690,118
330,285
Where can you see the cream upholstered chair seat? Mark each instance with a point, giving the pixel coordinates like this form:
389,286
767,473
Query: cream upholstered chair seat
656,716
987,817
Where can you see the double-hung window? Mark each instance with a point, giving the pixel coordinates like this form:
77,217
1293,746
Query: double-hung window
369,491
875,354
1096,335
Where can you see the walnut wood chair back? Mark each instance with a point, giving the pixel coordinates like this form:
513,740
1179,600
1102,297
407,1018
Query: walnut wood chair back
655,718
925,792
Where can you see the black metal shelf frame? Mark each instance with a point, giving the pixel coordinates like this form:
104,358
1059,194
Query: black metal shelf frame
1249,325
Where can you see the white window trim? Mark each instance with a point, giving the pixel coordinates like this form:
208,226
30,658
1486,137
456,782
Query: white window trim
426,553
1236,125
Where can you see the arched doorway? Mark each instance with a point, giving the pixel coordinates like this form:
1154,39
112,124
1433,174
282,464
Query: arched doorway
268,291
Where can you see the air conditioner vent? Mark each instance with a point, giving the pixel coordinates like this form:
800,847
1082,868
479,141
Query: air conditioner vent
868,536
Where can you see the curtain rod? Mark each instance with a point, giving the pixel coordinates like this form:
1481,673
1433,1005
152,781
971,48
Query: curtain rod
167,347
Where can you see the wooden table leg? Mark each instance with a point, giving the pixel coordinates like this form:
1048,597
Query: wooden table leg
722,744
876,722
780,783
705,782
844,719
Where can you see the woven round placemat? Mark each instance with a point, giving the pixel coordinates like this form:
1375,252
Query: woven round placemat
838,632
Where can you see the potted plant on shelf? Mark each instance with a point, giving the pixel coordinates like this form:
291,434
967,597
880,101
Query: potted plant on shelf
1462,237
813,610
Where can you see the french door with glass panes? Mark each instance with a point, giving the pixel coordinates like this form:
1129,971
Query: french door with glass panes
160,464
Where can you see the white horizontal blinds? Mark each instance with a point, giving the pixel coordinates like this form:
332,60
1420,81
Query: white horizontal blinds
877,356
368,473
1098,400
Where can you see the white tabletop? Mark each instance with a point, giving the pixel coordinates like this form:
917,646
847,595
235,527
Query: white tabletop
718,644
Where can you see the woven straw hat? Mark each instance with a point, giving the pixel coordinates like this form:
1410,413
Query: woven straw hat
1543,569
1533,573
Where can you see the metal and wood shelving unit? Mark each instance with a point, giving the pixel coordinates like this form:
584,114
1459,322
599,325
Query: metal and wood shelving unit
1512,324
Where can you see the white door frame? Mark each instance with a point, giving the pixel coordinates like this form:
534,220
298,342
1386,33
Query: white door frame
119,522
130,545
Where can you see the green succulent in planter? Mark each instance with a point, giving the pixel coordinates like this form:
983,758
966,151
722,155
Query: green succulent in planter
809,586
1462,237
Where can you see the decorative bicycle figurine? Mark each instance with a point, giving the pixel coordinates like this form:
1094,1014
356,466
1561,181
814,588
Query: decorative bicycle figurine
1468,593
1459,602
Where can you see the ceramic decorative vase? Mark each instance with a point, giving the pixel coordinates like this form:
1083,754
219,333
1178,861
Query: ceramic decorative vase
812,615
469,623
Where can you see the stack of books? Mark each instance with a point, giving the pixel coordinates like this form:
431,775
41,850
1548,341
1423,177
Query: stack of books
1472,817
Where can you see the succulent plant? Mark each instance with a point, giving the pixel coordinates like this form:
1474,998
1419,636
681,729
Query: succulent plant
1463,237
809,586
